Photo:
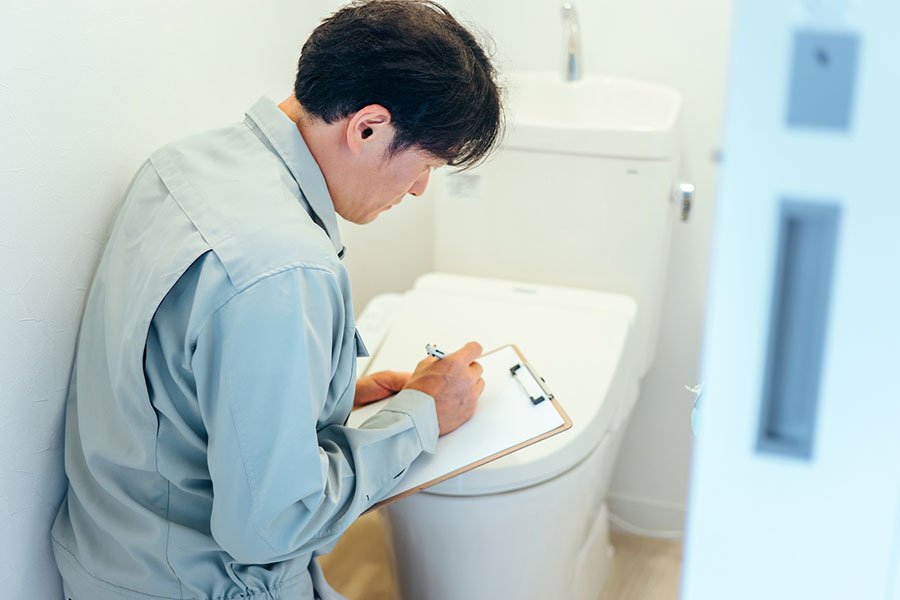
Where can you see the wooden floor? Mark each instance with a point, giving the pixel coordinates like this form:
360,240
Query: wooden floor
360,567
643,568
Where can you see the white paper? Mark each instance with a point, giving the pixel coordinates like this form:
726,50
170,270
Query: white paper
504,417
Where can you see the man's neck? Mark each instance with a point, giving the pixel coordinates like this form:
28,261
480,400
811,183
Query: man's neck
319,136
293,109
324,141
303,120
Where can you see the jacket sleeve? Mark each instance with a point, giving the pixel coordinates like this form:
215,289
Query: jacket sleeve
264,366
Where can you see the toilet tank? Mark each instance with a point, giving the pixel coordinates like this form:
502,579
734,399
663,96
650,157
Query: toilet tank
585,207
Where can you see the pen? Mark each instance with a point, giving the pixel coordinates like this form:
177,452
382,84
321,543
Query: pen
430,349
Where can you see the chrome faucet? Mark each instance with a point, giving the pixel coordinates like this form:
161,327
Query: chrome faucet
573,42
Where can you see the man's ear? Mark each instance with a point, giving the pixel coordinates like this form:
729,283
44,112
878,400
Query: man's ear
369,124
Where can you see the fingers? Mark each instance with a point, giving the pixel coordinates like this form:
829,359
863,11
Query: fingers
425,362
468,353
478,387
476,369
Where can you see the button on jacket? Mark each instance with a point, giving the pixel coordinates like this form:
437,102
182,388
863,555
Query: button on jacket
215,368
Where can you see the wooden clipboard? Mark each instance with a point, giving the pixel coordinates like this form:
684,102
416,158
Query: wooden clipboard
514,395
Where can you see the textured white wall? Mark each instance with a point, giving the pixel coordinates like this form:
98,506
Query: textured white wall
87,91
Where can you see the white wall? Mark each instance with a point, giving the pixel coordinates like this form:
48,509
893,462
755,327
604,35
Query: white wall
680,43
87,91
389,254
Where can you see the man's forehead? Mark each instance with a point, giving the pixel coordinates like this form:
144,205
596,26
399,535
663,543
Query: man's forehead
424,155
431,159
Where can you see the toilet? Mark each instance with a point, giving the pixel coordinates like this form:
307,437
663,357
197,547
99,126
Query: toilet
562,251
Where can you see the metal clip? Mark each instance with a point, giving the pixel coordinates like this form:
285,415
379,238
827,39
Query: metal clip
547,394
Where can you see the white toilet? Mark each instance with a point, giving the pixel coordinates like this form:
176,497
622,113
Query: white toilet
561,251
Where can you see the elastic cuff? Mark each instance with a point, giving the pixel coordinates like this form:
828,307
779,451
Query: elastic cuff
420,407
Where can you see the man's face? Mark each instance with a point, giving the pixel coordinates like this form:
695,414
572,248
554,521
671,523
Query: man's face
376,182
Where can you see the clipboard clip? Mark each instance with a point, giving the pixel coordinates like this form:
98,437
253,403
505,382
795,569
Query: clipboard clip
516,372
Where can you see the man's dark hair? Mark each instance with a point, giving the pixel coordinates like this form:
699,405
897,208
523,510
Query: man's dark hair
416,60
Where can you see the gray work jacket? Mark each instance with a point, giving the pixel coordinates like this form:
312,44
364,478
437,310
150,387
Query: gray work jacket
215,368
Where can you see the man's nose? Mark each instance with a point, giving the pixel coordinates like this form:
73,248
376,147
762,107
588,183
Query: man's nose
419,185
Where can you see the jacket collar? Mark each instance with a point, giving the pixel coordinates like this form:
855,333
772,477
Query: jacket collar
278,132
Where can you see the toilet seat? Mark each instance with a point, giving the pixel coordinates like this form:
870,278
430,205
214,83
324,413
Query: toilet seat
579,340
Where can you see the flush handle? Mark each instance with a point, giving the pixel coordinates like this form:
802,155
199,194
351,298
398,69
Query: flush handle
683,195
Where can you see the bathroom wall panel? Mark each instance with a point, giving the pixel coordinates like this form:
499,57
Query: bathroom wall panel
87,91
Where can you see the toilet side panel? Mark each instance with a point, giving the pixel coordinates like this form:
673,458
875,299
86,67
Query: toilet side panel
582,221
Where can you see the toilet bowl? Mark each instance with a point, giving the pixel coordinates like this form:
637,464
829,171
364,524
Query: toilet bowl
558,244
534,523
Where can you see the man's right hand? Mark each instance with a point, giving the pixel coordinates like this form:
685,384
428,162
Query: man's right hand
454,382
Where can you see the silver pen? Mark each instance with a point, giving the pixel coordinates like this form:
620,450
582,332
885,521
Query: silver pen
433,351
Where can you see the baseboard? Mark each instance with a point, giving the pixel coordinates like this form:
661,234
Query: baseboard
665,519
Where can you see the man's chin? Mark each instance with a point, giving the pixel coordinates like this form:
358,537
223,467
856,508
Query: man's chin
365,220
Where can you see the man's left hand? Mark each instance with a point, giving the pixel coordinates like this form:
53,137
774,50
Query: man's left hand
378,386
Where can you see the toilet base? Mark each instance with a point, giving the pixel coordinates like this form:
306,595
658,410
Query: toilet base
549,540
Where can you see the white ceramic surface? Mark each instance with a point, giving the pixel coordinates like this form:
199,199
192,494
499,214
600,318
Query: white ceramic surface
606,116
580,341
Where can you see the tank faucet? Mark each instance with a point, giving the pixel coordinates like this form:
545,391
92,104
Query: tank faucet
573,42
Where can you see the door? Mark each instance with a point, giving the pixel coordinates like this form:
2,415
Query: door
795,484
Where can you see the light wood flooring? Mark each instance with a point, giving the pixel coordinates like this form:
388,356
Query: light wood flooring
360,567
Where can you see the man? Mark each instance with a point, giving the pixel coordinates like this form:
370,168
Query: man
215,366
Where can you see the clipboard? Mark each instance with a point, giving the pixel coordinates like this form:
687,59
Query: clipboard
516,409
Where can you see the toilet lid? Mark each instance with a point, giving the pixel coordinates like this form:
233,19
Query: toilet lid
578,340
